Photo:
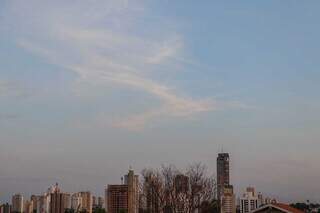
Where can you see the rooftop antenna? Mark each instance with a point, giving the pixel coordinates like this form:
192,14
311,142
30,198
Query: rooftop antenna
221,149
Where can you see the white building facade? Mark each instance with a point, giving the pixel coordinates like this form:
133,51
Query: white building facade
249,201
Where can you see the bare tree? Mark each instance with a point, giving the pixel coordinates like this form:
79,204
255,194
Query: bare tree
170,190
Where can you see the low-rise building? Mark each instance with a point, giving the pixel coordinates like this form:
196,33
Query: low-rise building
277,208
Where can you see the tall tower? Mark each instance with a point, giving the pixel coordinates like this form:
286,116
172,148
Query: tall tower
226,196
132,181
223,176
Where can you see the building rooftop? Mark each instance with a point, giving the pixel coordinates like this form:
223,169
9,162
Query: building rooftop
280,207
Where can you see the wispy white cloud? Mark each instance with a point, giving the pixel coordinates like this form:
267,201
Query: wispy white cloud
165,50
101,43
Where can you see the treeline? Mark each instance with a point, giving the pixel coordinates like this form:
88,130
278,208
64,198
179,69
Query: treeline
168,189
306,207
94,210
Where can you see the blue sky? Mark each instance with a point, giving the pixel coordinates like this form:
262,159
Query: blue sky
89,88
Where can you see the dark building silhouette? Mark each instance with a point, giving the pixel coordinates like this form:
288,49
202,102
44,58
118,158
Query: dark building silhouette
181,183
152,200
6,208
117,198
58,201
223,177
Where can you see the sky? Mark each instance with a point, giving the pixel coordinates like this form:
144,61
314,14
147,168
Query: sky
90,88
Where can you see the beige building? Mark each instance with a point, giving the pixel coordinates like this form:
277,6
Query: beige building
17,203
35,200
227,200
28,206
86,201
132,181
76,202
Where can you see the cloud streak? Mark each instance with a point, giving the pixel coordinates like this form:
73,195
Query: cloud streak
101,43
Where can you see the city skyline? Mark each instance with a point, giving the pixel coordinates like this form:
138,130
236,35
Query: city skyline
185,189
166,189
88,89
124,180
